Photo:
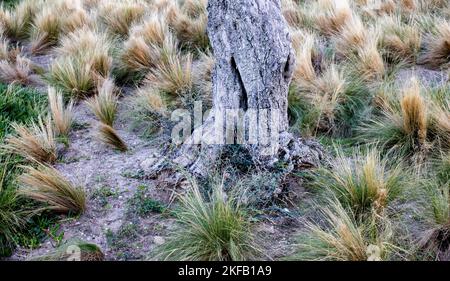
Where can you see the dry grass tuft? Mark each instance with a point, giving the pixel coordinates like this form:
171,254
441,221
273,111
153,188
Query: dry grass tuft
151,100
73,76
400,42
45,31
104,104
333,15
109,136
75,20
17,22
173,75
435,241
343,238
414,113
137,56
18,70
46,185
4,49
62,115
211,228
154,30
118,17
437,46
364,183
190,31
352,37
304,72
202,73
403,124
93,47
368,61
35,143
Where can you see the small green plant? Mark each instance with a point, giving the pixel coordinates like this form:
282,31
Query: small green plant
56,234
11,217
143,205
103,193
19,105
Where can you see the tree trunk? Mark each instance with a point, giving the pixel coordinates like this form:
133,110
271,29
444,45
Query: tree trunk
254,62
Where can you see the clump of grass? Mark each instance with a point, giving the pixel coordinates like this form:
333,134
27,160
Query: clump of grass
45,31
437,46
364,182
190,31
11,217
153,30
76,20
85,60
90,46
202,73
73,76
408,5
441,123
104,104
109,136
18,70
403,126
414,113
442,166
35,142
137,56
118,17
343,238
436,239
143,50
320,101
194,8
368,61
304,73
172,75
18,21
400,42
151,100
212,228
352,36
319,93
46,185
295,14
62,115
378,8
4,49
332,16
149,111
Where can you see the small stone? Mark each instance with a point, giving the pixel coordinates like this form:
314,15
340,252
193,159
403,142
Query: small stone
158,240
147,164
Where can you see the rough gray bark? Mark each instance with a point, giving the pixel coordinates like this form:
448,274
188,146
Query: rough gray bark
254,64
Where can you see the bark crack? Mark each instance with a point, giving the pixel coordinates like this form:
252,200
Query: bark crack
243,99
